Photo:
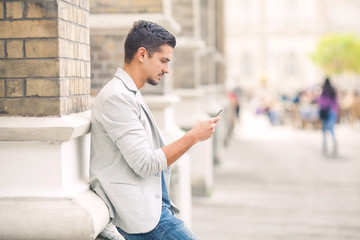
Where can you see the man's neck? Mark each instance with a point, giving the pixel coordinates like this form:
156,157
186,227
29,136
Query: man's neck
135,75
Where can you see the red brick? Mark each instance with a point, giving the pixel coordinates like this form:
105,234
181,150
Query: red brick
28,29
29,68
30,107
42,87
2,88
15,49
42,48
1,9
14,88
43,9
14,10
2,49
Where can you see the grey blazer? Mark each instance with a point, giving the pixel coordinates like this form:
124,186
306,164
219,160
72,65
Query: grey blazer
126,157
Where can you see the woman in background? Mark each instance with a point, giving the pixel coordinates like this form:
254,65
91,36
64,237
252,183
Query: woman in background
327,100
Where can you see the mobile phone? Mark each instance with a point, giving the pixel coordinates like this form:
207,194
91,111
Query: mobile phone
219,112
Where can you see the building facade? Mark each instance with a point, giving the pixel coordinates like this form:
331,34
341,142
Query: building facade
269,42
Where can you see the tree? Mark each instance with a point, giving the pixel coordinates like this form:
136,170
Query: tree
337,54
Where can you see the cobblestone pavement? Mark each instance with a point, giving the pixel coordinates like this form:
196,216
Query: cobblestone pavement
274,183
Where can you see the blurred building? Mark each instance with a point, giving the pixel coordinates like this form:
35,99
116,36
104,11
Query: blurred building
269,41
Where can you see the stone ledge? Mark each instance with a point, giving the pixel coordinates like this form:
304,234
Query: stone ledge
44,128
81,217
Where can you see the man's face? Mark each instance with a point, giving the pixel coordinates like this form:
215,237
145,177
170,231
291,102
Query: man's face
157,65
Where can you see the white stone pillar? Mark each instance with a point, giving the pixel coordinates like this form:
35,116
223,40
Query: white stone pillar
188,111
214,98
44,185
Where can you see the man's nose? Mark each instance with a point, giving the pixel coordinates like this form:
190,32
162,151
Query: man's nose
166,69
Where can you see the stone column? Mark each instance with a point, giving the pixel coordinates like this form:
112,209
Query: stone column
45,122
187,77
212,67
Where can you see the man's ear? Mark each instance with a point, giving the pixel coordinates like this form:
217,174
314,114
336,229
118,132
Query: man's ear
141,54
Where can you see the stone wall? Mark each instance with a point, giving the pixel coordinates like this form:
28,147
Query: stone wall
44,57
107,54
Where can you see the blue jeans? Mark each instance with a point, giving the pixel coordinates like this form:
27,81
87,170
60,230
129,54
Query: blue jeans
168,228
328,125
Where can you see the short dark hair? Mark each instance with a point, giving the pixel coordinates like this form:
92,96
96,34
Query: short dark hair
149,35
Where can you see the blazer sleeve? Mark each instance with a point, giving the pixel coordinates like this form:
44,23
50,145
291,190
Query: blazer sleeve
121,119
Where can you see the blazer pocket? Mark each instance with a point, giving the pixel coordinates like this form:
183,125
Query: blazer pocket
125,191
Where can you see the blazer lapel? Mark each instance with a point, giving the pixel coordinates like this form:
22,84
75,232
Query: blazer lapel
129,83
148,113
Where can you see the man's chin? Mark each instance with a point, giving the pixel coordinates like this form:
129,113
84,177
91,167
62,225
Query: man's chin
152,82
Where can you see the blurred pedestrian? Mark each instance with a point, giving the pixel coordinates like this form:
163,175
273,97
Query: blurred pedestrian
328,114
235,104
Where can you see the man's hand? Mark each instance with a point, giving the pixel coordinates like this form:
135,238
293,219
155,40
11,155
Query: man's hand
202,130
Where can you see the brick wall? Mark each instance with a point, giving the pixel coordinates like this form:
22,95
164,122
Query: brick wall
126,6
107,54
44,57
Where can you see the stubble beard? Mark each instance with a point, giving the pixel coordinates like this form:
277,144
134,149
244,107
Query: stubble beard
154,82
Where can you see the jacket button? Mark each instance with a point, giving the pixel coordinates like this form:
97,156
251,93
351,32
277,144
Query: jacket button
157,195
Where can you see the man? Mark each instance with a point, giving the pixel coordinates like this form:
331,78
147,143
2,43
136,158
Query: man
129,167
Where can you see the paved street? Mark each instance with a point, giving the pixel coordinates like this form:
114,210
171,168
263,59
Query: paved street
274,183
